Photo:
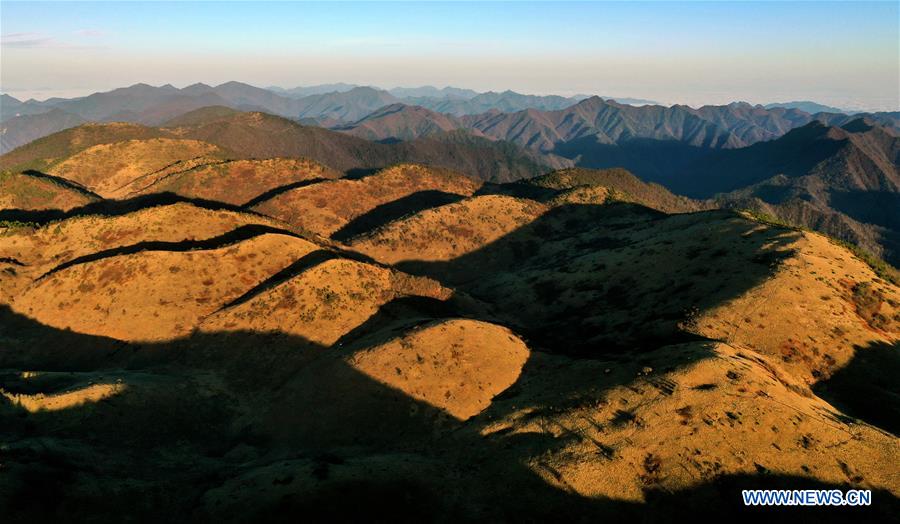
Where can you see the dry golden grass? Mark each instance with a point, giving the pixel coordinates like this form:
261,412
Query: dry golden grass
236,182
324,302
726,411
60,401
110,170
457,366
325,207
41,250
807,315
21,191
155,295
449,231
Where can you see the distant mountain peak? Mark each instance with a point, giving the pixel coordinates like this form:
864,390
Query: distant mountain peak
592,102
805,105
859,125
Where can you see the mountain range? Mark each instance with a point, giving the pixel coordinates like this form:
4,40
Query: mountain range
237,134
833,172
534,121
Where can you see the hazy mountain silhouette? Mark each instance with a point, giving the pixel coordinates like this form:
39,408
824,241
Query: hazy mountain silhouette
806,105
20,130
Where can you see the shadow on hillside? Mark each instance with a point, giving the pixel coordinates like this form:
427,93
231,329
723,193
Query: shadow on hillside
518,190
238,234
293,431
297,267
867,387
399,208
294,435
109,208
593,279
660,161
66,183
872,207
275,191
795,154
360,172
399,314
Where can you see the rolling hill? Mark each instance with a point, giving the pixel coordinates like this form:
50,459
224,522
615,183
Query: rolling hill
397,122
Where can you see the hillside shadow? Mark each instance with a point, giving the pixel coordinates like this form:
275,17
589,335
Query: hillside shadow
275,191
358,173
873,207
297,267
518,190
794,154
867,387
238,234
590,279
311,423
399,314
111,208
64,182
660,161
393,210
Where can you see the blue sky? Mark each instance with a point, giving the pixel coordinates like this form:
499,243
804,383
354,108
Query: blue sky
843,53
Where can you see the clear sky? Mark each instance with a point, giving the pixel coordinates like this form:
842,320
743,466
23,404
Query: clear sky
840,53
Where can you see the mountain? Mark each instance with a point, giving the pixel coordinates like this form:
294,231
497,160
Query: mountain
11,107
433,92
889,120
266,340
608,122
201,116
604,122
144,103
47,151
401,122
348,106
506,101
861,156
321,89
807,106
20,130
126,100
247,97
844,181
621,185
239,135
623,100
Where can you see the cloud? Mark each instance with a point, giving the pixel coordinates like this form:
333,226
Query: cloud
42,41
25,40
